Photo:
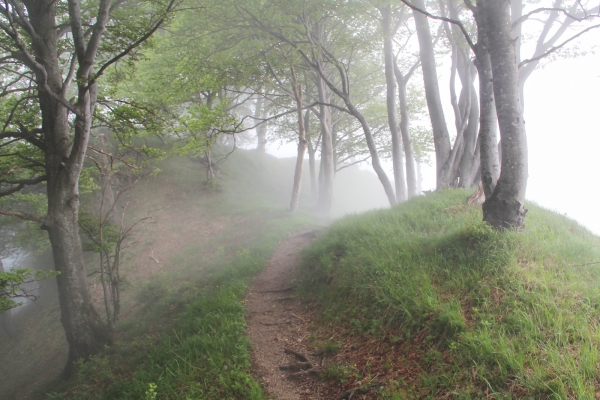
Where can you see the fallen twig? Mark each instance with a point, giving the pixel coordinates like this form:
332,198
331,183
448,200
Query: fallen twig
583,265
312,371
299,356
301,366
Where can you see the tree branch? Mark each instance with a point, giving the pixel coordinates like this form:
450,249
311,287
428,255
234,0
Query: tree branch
555,48
450,20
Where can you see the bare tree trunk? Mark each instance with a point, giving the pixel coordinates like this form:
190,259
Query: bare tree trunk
488,122
411,177
297,89
108,197
505,208
469,162
385,182
441,137
419,179
261,130
397,157
314,184
327,163
210,173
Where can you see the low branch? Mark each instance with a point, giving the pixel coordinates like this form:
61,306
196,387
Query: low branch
26,217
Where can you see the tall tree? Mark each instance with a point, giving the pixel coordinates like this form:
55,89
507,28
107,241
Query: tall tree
505,208
58,50
441,136
392,109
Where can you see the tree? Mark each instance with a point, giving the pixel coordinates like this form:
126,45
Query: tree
53,54
392,109
505,208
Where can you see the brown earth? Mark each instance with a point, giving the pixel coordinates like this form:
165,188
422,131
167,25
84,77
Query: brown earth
290,340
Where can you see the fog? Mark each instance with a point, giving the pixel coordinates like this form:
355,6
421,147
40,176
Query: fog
562,107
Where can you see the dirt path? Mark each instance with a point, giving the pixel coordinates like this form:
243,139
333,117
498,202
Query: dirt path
275,322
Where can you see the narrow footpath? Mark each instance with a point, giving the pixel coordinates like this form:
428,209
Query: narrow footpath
277,328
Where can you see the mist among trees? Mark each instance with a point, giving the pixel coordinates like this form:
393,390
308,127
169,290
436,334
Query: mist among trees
96,94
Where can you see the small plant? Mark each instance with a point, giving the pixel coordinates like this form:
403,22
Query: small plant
330,347
337,372
151,392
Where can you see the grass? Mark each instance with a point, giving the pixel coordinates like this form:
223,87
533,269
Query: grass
186,340
503,314
182,329
199,352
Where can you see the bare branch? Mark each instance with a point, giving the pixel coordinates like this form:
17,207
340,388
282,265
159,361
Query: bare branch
555,48
450,20
27,217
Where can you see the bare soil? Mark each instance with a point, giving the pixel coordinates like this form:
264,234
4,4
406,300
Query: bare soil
275,322
290,356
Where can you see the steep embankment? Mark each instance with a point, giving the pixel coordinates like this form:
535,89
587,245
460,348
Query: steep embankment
425,301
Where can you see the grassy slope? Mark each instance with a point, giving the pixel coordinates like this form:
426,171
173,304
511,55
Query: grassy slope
513,315
183,319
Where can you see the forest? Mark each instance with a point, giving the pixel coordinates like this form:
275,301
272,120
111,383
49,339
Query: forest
157,241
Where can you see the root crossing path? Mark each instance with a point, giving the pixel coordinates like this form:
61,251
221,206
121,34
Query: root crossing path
276,326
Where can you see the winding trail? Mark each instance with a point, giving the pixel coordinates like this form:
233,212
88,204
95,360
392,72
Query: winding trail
275,321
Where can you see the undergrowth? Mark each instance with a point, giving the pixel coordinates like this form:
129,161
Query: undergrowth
189,342
514,314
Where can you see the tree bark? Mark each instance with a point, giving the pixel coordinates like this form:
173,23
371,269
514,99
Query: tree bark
261,130
392,112
86,333
411,174
488,122
314,184
297,89
441,137
108,196
505,208
327,163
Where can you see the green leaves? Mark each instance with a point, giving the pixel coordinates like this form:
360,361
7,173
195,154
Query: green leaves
11,285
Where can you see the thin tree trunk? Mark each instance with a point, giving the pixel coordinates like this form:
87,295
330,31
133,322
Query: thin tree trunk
261,130
469,162
108,197
297,89
314,184
419,179
441,137
385,182
392,112
488,122
411,177
505,208
327,163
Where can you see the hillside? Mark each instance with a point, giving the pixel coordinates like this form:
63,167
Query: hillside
428,302
418,301
197,236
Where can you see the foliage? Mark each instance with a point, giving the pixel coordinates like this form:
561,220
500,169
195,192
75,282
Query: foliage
501,307
11,286
23,234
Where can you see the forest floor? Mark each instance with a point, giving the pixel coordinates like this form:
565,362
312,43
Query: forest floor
296,357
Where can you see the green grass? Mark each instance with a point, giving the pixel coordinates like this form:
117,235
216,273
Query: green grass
517,312
188,341
182,330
